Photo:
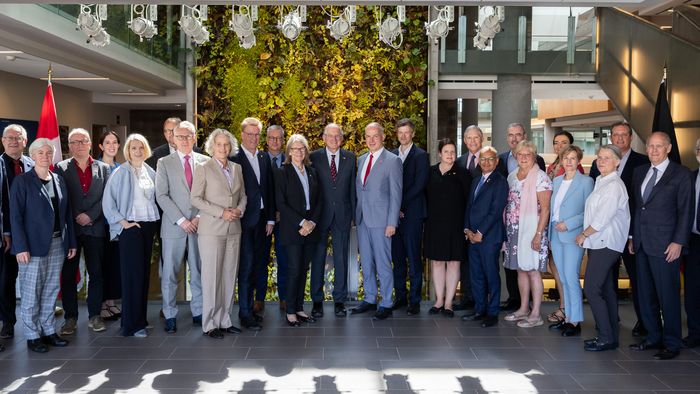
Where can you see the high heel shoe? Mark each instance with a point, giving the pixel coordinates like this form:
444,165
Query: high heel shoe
293,323
306,319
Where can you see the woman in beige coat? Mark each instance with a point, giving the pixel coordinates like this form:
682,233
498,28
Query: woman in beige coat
218,193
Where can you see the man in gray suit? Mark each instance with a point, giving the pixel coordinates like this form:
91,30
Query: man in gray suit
335,168
85,179
378,186
178,230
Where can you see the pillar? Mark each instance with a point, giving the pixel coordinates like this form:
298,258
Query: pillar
511,104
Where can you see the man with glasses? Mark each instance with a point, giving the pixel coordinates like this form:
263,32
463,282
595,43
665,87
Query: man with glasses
257,222
169,147
85,180
14,162
178,230
621,136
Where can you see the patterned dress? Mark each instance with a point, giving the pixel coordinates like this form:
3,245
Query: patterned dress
512,216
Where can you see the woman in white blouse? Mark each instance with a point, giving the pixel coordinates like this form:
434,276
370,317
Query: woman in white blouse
606,224
129,205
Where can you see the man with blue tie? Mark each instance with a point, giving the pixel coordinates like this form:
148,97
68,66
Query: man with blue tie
692,265
406,243
663,208
258,221
275,150
379,183
484,229
336,171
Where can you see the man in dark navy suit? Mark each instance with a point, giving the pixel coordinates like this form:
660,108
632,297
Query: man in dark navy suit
692,265
258,221
621,136
406,243
663,208
336,169
484,229
507,163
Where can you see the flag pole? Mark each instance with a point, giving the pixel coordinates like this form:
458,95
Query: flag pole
51,72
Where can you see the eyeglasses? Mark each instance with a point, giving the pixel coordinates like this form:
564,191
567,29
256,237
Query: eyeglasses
524,155
485,159
183,137
79,142
275,138
169,130
297,149
13,139
251,134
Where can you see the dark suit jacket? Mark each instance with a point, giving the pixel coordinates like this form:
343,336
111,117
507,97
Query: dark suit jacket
462,162
667,215
339,197
485,212
162,151
503,163
90,203
696,211
291,203
254,190
415,178
8,175
32,215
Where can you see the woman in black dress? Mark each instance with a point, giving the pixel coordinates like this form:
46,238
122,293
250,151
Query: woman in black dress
447,192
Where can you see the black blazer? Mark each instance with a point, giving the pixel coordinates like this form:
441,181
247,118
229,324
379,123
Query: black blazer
254,190
666,216
7,176
696,211
291,203
415,179
503,163
485,212
462,162
90,203
339,197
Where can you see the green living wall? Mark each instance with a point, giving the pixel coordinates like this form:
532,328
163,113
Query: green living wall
314,80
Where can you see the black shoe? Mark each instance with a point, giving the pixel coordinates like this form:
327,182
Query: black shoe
590,341
489,321
215,333
317,310
474,317
251,323
340,310
36,345
435,310
560,325
363,307
413,309
8,331
463,306
571,330
382,314
666,354
54,340
448,313
510,305
2,347
293,323
170,326
398,304
599,346
688,342
197,320
639,330
231,330
306,319
644,345
258,318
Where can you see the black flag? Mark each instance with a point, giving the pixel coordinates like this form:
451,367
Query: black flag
664,122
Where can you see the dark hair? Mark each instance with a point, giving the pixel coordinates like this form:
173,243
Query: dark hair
444,142
406,122
109,132
566,133
623,123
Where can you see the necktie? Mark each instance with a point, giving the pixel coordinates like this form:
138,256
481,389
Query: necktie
369,167
188,172
334,171
274,162
650,185
472,163
478,187
18,166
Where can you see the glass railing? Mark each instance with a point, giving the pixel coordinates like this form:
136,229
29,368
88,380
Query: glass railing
163,47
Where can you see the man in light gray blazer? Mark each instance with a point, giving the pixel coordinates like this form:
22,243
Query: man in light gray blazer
180,220
378,185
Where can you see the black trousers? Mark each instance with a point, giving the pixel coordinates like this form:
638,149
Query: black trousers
631,267
465,282
111,273
8,281
692,287
135,248
659,292
298,261
340,239
601,294
94,248
408,261
255,252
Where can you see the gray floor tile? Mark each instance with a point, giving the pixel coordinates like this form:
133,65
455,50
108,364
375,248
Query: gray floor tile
270,341
91,366
342,342
291,331
474,342
582,367
429,342
424,332
674,367
420,353
361,354
150,341
181,366
88,382
358,332
483,353
680,382
209,353
131,353
619,382
269,353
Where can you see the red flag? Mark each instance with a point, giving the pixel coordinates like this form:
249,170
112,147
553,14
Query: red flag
48,123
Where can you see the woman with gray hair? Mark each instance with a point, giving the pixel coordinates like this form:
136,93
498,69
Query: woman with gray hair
42,237
606,223
219,194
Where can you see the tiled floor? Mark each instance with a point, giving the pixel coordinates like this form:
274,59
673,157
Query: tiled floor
353,354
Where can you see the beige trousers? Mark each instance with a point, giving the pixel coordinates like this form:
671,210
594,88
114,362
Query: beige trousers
219,256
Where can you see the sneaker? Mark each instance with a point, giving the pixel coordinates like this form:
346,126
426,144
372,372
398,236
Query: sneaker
58,311
142,333
97,324
68,327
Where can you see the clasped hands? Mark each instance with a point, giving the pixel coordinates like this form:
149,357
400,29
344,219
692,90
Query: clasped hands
473,237
231,214
190,226
306,228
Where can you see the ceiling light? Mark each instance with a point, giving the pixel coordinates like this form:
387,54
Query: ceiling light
390,31
90,23
341,25
487,29
439,27
242,24
143,19
291,24
191,23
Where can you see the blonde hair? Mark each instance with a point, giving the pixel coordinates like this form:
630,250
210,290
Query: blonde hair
136,137
251,122
293,139
209,146
525,144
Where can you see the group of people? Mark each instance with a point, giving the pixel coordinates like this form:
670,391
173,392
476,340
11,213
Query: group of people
221,213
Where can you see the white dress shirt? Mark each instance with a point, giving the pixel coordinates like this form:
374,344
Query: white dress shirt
329,155
404,153
253,160
660,172
607,211
559,198
623,161
375,157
